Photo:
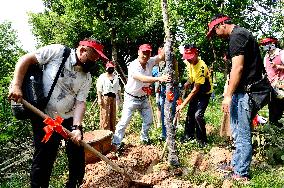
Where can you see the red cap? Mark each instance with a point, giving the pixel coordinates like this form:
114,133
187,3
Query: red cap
268,40
189,53
110,64
98,47
213,23
145,47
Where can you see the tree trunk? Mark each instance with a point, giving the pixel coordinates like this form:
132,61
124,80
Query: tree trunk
115,58
169,86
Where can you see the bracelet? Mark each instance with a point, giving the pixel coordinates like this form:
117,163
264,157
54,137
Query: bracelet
76,127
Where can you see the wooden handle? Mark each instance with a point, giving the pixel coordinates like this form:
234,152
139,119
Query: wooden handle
82,142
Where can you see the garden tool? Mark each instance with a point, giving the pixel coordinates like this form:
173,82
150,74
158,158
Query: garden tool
135,183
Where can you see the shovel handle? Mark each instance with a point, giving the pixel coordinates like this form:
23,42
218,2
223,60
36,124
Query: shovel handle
34,109
82,142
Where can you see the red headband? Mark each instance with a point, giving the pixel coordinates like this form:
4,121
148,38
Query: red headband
98,47
212,24
268,40
92,45
189,53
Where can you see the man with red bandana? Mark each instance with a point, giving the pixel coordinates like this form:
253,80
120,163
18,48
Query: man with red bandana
274,66
241,100
68,100
136,93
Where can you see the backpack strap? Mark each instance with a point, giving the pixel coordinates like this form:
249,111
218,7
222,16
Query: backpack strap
66,54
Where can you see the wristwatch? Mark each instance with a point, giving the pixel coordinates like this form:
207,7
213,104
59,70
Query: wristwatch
76,127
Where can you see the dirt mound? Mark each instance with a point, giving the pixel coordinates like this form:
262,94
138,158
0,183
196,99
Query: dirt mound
136,159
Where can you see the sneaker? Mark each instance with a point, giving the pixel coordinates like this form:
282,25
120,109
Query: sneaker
146,142
186,138
201,144
224,168
162,138
238,178
118,148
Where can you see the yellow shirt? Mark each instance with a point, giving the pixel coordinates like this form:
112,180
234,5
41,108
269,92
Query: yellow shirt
198,72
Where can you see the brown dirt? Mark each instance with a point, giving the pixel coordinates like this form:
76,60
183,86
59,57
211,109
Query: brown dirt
136,159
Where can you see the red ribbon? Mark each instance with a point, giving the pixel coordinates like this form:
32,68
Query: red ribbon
170,96
255,121
53,125
147,90
179,101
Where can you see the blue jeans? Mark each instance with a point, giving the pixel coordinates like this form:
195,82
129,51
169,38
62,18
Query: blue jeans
129,106
241,114
162,105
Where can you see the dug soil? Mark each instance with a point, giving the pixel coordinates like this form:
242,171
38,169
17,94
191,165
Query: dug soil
136,159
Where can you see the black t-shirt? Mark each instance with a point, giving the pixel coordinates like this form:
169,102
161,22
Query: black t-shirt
242,42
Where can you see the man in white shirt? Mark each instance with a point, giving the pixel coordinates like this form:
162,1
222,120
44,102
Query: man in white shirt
68,100
135,95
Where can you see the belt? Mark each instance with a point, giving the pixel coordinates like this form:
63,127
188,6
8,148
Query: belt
110,94
142,97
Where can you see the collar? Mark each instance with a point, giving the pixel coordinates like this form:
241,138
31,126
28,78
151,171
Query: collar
275,53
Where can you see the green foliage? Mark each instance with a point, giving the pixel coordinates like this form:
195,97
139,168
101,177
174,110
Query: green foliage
263,178
269,143
10,51
219,83
20,179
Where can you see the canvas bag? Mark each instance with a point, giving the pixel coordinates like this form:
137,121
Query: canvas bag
32,89
259,92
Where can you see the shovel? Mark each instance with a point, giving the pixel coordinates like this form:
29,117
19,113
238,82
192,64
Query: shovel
159,158
136,183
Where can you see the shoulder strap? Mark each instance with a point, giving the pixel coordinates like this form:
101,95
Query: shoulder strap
66,54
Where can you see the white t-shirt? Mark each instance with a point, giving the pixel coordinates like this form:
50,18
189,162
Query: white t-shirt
104,85
73,84
133,86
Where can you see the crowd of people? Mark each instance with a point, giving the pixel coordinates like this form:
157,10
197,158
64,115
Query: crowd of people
252,83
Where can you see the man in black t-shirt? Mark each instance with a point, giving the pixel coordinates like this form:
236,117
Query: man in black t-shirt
247,68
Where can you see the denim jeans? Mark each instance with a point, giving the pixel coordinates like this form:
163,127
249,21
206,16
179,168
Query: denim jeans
162,104
242,112
129,106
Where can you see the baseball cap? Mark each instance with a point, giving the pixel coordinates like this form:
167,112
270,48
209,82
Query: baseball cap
190,51
110,64
268,40
96,46
213,23
145,47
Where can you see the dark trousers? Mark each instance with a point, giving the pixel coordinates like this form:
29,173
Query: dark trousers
276,108
195,122
45,155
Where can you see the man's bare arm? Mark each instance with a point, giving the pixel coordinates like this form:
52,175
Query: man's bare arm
15,92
